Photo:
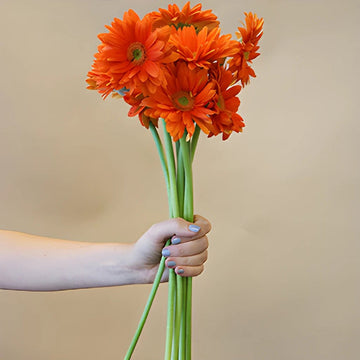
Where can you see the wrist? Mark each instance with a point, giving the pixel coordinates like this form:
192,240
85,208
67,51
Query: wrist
142,270
120,266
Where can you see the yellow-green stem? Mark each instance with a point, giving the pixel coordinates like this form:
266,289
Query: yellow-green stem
171,335
182,346
170,315
180,178
162,262
194,141
188,215
164,167
188,198
147,308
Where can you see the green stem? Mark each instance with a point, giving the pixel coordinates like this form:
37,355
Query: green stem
178,315
189,216
180,178
147,307
188,317
182,347
194,141
171,335
170,314
171,171
164,167
188,202
161,268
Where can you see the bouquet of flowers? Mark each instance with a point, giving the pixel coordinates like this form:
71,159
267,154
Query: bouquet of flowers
174,66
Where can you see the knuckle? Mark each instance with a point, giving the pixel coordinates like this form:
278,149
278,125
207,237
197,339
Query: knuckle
180,251
178,221
205,255
207,226
206,241
203,243
177,224
153,228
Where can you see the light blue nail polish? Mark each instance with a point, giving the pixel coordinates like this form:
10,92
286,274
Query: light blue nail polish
194,228
165,252
176,241
180,271
171,263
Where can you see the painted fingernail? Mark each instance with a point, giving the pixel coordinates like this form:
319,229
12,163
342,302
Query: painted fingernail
176,241
171,264
194,228
180,271
165,252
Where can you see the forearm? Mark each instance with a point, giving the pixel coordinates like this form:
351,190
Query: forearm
29,262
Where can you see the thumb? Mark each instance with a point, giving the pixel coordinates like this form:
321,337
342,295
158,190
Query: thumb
164,230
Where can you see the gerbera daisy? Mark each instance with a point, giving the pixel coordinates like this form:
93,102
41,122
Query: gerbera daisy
203,48
130,55
186,17
249,37
226,104
183,101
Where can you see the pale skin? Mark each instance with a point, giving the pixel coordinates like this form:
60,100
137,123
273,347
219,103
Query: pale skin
36,263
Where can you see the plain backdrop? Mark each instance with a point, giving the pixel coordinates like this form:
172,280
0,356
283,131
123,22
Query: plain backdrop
282,279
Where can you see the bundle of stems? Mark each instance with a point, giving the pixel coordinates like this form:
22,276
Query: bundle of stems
176,160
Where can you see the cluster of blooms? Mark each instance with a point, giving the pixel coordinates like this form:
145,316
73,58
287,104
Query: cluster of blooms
175,64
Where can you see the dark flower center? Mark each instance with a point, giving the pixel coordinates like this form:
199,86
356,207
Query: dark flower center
136,53
183,101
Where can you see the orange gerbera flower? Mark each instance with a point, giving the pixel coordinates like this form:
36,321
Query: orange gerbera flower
186,17
131,55
203,48
183,100
247,48
226,104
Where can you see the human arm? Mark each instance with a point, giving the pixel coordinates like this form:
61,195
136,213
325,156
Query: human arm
37,263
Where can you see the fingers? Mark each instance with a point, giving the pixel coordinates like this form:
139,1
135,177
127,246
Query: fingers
196,260
189,248
188,258
181,228
204,224
188,271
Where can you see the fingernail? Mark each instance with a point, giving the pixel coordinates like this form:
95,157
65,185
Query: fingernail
176,241
165,252
194,228
180,271
171,264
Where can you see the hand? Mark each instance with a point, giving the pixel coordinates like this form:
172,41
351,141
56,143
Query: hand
186,255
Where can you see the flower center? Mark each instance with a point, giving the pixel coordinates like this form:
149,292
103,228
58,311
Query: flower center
181,25
246,55
183,101
136,53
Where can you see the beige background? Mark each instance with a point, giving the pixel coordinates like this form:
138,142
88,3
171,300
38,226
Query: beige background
282,280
